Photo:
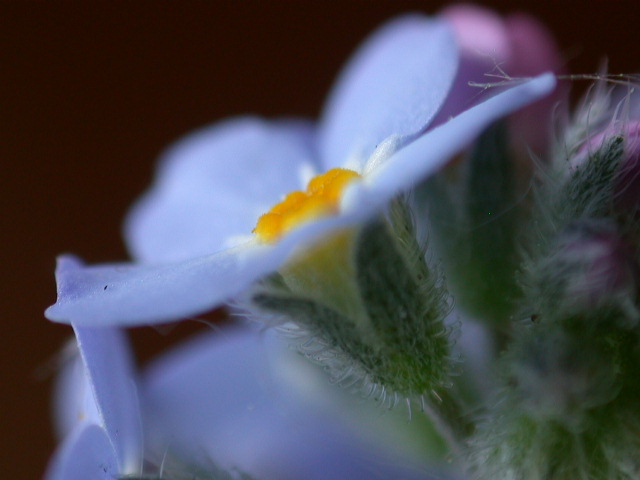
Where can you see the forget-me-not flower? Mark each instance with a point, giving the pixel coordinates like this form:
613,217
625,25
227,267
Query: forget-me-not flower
215,407
191,234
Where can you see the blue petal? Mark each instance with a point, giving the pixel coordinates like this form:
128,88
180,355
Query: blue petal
130,294
213,185
432,151
73,400
109,368
218,398
86,454
394,85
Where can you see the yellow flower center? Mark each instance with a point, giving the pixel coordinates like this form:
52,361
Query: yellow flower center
322,198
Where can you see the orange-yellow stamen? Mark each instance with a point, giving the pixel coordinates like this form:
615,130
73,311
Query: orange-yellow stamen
321,198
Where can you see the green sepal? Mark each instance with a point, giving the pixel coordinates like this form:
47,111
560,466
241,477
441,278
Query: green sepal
330,329
581,200
568,408
391,340
406,310
513,443
474,212
582,194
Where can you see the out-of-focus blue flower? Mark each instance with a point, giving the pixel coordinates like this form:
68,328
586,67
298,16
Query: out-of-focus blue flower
97,410
191,233
214,402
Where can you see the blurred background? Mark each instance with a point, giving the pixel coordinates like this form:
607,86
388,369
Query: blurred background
91,92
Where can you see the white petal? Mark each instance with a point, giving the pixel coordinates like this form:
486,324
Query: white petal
394,85
109,368
214,184
86,454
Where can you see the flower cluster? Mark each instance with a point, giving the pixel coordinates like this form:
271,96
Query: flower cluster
394,245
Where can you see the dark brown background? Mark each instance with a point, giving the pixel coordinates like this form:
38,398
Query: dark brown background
90,92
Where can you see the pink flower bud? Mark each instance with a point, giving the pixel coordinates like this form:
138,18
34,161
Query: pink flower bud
482,37
598,267
627,190
627,183
493,47
533,51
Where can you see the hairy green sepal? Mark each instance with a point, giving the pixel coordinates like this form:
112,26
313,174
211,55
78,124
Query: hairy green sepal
379,326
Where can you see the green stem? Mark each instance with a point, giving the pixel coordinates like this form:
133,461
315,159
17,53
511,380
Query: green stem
449,419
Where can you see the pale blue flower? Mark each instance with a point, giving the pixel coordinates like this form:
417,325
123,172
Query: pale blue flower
218,401
97,410
191,233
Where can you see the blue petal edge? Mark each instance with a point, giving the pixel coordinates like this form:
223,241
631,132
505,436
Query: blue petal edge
85,454
394,84
109,368
133,294
430,152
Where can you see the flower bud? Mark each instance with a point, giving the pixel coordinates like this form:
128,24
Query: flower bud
591,266
607,265
494,49
568,408
627,188
561,376
629,132
515,445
